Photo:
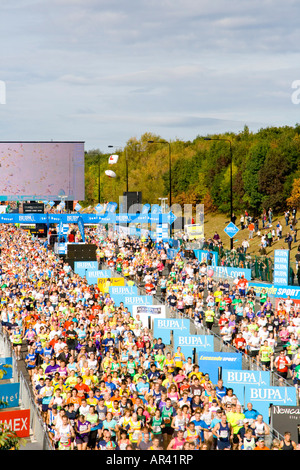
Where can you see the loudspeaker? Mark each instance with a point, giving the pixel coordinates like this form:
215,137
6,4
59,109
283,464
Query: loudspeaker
69,206
82,252
129,199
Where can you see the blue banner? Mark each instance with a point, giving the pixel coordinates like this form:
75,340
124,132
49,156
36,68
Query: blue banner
80,224
205,256
189,343
228,272
281,292
233,378
123,290
10,393
163,327
107,218
238,379
60,229
93,276
262,397
84,265
130,300
209,363
281,267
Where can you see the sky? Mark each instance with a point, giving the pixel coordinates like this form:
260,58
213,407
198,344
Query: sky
106,71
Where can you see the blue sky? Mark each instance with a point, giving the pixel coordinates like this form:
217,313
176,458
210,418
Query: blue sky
105,71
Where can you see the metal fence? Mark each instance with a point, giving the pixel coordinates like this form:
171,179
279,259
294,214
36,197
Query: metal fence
261,266
26,401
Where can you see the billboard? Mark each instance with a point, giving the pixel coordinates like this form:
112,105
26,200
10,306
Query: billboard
286,418
194,231
148,311
280,292
114,281
17,420
41,170
10,394
211,362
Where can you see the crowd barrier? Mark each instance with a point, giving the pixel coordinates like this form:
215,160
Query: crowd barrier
26,400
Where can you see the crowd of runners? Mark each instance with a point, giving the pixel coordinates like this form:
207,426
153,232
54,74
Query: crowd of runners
100,378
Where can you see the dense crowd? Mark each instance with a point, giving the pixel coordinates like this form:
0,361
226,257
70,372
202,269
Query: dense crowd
100,378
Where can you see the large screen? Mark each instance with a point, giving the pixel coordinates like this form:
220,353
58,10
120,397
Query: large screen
41,171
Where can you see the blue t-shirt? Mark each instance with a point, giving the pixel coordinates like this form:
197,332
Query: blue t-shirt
214,422
200,424
251,414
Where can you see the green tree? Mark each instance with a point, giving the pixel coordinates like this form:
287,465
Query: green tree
254,163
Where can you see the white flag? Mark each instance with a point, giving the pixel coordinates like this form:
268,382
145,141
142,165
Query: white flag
113,159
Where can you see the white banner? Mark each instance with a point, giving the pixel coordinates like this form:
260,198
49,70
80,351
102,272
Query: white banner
146,311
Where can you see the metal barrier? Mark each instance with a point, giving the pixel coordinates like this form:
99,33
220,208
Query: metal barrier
261,266
37,425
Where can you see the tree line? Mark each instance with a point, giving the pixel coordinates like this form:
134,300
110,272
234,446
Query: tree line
265,170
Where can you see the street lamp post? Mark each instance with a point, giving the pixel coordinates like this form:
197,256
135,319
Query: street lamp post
231,193
99,171
170,167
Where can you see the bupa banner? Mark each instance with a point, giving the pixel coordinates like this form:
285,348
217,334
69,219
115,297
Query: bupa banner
17,421
92,276
146,312
123,290
5,368
130,300
189,343
238,379
276,291
163,326
228,272
208,257
263,397
281,267
210,362
89,219
83,266
10,395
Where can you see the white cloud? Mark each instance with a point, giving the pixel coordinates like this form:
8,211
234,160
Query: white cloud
103,70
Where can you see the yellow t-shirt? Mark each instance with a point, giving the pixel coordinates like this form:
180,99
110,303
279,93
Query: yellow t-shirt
236,421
